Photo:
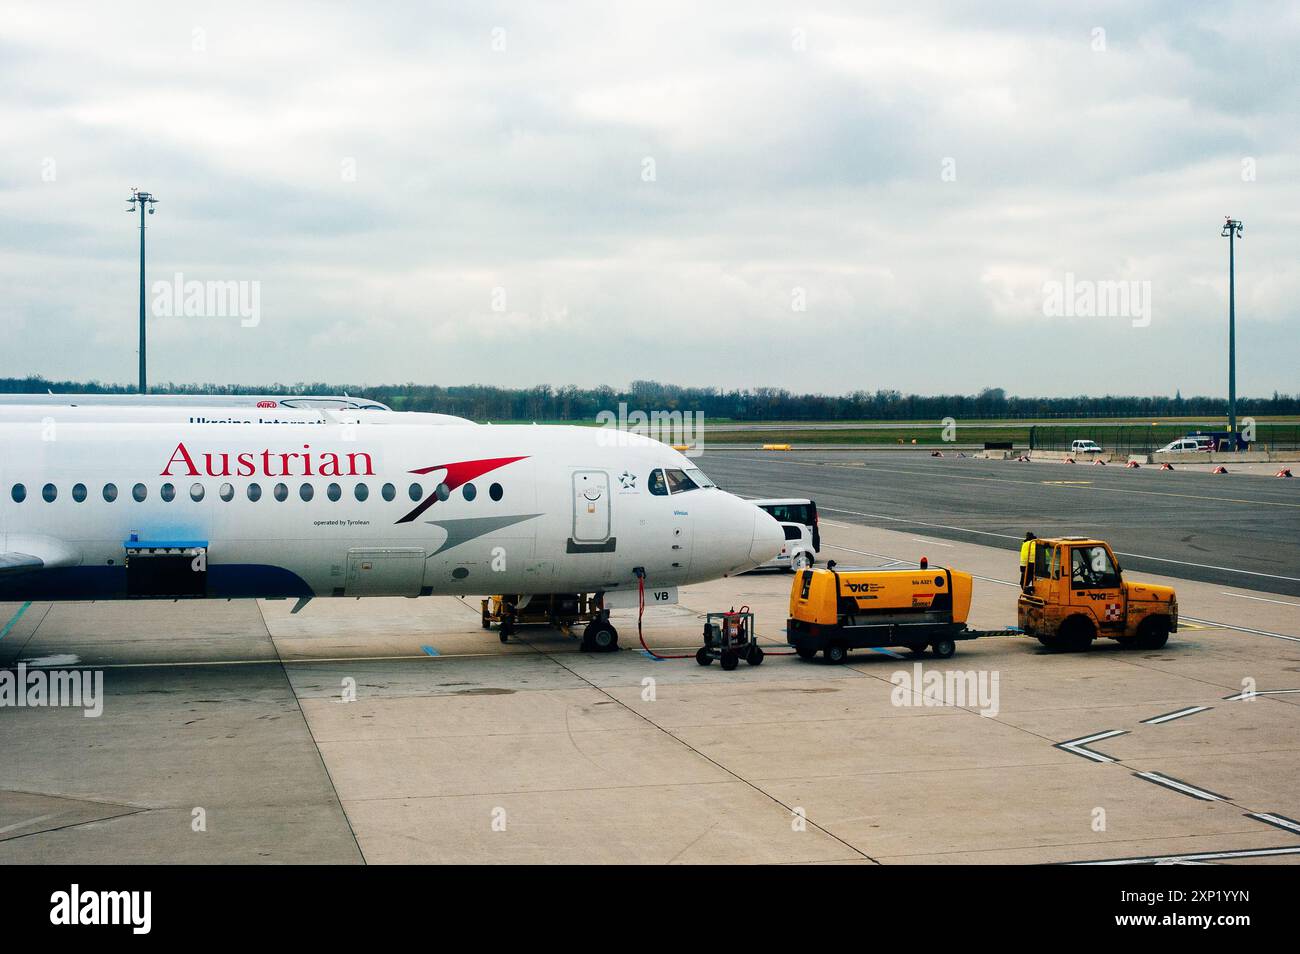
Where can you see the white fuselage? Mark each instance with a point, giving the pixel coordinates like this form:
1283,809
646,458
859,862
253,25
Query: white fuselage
304,510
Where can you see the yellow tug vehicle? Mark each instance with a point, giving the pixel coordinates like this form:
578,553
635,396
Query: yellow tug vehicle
833,611
1076,593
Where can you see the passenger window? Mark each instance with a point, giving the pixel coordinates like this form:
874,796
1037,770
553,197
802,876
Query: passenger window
281,492
469,491
442,491
361,491
19,493
167,492
496,492
414,492
254,492
226,492
196,492
50,493
110,492
306,492
388,492
140,493
658,486
79,493
334,492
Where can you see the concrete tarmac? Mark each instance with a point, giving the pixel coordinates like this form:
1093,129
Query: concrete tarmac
458,749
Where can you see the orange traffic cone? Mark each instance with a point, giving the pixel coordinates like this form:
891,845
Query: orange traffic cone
936,453
1166,466
1098,462
1132,464
1284,472
1069,460
1220,470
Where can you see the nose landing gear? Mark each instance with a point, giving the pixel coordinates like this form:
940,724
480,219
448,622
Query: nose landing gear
600,636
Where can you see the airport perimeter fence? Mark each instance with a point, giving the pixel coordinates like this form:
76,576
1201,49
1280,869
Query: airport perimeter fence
1145,438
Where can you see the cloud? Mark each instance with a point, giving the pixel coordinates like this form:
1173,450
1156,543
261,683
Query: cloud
912,176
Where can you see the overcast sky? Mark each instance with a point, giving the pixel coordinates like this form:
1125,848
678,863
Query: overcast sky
593,193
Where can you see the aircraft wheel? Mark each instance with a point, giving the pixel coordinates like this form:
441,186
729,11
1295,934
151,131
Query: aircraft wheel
754,656
600,636
729,660
702,656
944,648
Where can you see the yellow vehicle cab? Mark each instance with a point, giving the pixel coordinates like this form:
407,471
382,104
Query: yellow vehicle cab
1077,593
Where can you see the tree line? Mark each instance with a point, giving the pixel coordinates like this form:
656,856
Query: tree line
571,403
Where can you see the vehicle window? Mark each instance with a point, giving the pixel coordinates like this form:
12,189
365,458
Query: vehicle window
697,475
1091,566
793,533
678,482
658,486
790,513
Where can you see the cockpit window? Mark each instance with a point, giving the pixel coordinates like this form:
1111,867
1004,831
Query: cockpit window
698,476
678,482
658,486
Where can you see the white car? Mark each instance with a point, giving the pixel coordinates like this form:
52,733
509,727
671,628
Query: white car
797,553
1184,445
1086,447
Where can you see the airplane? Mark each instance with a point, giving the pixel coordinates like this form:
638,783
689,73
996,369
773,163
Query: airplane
186,413
299,401
299,511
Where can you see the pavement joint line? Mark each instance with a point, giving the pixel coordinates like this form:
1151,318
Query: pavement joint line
670,734
75,824
306,724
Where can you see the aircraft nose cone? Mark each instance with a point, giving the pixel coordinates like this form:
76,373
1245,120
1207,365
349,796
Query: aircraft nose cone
768,537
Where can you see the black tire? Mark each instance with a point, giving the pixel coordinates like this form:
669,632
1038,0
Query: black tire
729,660
503,635
1153,633
944,648
487,621
600,637
507,627
918,650
702,656
805,652
835,653
755,655
1076,635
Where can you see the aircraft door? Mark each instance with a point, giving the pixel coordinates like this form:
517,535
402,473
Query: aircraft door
592,519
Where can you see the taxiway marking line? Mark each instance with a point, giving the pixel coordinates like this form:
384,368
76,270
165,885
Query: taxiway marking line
1247,694
1261,599
14,619
1241,629
1196,856
1077,746
1181,787
1180,714
1277,821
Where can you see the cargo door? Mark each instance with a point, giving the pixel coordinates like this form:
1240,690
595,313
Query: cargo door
390,571
592,517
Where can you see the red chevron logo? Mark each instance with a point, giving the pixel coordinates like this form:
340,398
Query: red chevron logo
459,473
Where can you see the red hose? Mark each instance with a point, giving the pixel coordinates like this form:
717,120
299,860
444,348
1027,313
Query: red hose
640,635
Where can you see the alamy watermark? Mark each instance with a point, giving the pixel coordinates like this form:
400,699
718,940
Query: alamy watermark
1084,298
974,689
179,298
683,430
53,688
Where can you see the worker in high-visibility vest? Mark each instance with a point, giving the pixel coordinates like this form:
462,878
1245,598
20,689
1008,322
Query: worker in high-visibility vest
1027,562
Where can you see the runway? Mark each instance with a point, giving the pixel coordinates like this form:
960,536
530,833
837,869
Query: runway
1238,530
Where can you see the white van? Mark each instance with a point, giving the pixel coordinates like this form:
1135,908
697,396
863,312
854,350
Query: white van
1086,447
794,510
1184,445
797,551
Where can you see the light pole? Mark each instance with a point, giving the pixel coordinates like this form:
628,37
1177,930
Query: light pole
146,201
1232,229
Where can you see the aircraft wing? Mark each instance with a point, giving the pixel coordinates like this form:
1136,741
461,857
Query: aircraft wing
12,562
